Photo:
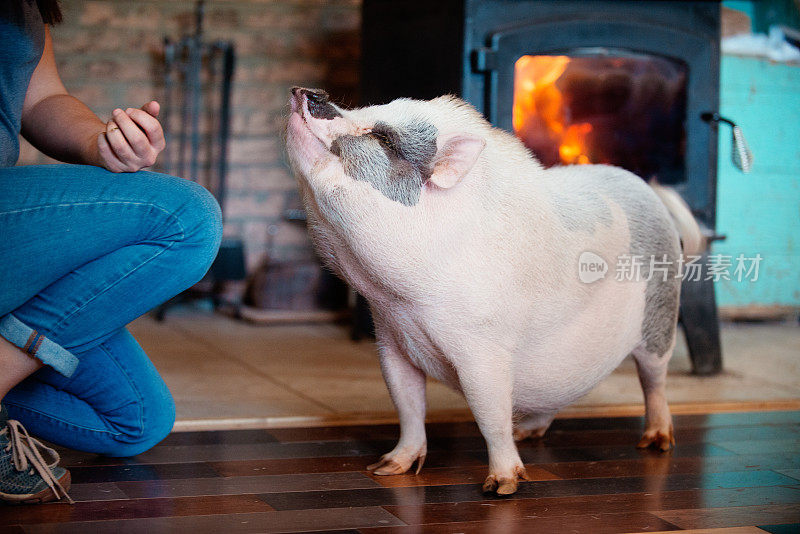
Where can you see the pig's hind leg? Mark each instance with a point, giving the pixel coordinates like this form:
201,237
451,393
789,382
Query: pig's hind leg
533,425
652,369
406,385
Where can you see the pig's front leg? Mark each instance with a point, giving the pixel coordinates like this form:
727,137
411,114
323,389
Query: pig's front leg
406,385
487,384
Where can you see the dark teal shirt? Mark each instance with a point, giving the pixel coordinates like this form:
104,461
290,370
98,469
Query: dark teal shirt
21,45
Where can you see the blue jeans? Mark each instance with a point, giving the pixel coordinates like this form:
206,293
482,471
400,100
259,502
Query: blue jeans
82,253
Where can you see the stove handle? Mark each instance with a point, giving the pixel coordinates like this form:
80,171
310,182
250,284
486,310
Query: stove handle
740,152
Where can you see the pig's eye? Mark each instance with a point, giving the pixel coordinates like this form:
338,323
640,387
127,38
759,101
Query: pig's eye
383,139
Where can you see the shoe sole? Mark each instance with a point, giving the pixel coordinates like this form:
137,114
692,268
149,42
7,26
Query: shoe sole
46,495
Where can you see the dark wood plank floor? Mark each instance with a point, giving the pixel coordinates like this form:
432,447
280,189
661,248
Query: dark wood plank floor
729,470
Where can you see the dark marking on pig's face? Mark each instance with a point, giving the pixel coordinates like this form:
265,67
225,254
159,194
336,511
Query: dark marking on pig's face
396,160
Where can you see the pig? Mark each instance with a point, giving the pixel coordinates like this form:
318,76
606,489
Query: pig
468,251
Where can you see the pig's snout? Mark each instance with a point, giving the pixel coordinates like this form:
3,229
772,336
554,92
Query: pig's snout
318,102
317,96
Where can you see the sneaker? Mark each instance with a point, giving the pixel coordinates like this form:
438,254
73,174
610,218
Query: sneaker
25,475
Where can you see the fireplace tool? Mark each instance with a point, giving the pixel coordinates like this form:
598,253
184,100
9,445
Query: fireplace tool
196,118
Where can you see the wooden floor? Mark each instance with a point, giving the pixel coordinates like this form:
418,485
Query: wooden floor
731,473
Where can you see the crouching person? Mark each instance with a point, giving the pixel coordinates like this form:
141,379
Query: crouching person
85,248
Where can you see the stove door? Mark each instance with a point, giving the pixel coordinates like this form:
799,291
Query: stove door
604,106
691,58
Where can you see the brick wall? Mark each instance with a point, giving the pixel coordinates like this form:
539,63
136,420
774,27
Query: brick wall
109,55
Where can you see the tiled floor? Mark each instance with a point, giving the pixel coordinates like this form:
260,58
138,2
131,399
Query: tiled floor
232,374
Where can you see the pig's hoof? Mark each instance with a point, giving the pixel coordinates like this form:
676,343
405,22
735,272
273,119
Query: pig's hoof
388,465
657,439
505,485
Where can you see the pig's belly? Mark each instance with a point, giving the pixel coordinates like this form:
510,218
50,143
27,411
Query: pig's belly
557,377
555,370
552,369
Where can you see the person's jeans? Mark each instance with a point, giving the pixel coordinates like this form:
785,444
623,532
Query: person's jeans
82,253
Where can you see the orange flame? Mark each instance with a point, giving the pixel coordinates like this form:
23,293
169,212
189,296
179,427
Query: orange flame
538,107
573,146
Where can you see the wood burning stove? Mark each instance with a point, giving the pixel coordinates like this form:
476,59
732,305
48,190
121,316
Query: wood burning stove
623,82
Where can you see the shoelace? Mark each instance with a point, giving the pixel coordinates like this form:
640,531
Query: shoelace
26,450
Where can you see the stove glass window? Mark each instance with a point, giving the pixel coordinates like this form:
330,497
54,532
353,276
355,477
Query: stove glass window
623,109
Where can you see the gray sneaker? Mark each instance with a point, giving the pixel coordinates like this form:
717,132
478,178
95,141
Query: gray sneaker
25,475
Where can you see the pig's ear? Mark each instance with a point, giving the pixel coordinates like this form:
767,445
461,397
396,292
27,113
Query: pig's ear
455,159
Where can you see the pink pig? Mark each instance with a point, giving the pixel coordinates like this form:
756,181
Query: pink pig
469,253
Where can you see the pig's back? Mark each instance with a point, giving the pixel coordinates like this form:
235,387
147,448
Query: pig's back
581,194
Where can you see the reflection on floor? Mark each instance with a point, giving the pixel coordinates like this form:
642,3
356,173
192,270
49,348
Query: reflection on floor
733,473
230,374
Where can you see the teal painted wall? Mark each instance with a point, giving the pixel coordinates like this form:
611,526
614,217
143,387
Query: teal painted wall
760,211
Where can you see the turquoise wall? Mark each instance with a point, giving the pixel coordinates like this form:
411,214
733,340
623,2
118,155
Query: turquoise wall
760,211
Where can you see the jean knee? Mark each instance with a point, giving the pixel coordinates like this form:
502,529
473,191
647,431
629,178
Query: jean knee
193,226
201,217
141,426
204,211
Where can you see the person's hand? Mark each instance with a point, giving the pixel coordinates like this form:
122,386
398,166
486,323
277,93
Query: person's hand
132,140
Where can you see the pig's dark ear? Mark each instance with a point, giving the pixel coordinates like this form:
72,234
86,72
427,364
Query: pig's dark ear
455,158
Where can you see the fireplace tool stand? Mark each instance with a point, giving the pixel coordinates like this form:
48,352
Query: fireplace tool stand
196,119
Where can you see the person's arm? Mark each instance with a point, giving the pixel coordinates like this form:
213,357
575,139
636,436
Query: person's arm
63,127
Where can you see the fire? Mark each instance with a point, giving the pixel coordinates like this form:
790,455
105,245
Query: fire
539,110
573,146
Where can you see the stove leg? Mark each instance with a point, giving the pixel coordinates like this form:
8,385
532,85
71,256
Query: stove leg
698,316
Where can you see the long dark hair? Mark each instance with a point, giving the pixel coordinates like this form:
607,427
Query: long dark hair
50,10
14,10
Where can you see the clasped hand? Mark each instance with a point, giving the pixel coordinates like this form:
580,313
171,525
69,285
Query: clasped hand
132,140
